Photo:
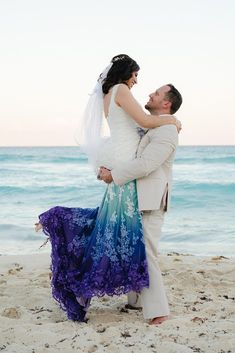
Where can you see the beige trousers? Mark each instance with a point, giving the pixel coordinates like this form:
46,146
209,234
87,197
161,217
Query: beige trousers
153,299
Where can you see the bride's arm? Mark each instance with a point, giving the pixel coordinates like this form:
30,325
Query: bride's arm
125,99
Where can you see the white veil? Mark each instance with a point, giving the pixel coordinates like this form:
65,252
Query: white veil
93,125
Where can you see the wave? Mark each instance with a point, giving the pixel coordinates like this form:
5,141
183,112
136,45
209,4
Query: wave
11,232
42,189
204,186
81,158
178,188
185,155
205,160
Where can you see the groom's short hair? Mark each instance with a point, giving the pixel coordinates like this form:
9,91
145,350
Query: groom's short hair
174,97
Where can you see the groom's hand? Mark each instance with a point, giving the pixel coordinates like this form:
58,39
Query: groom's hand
105,175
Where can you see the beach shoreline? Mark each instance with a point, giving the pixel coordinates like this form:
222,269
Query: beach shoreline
201,297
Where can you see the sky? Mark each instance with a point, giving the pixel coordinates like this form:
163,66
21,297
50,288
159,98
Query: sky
52,52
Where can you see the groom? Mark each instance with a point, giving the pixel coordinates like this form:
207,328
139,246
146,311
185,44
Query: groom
152,168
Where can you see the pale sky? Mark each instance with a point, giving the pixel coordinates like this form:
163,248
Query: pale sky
52,52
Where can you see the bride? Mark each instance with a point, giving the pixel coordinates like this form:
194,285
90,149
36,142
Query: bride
101,251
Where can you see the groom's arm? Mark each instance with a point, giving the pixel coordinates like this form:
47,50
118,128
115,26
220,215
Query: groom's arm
163,143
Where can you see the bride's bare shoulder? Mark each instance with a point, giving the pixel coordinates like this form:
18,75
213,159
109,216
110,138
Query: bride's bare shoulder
123,87
122,91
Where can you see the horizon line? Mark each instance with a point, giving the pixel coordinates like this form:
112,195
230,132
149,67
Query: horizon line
53,146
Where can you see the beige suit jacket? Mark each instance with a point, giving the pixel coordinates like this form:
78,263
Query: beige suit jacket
152,168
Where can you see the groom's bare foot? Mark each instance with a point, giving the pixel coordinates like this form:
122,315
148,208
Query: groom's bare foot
158,320
37,227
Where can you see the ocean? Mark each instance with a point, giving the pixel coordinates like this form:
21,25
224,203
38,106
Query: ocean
202,216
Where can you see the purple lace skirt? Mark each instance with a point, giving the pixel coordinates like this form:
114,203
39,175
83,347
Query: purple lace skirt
96,252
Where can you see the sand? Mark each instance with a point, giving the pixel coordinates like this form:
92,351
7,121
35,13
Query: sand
201,294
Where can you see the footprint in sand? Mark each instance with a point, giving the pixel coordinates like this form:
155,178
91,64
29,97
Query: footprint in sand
11,313
14,271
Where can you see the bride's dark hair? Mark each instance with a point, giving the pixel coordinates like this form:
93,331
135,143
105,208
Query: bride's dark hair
121,70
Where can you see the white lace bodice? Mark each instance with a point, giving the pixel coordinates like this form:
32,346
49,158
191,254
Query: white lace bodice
124,138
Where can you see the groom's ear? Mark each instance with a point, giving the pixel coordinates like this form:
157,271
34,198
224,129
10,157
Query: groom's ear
167,104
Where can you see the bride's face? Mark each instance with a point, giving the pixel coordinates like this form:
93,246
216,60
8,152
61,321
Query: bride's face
133,80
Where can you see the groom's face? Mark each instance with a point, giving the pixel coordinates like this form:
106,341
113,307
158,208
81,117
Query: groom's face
157,100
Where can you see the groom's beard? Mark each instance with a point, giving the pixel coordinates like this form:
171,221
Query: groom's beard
147,107
151,111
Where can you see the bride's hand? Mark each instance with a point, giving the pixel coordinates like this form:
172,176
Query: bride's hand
177,123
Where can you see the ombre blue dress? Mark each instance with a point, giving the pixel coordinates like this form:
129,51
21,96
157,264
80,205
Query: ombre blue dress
99,251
